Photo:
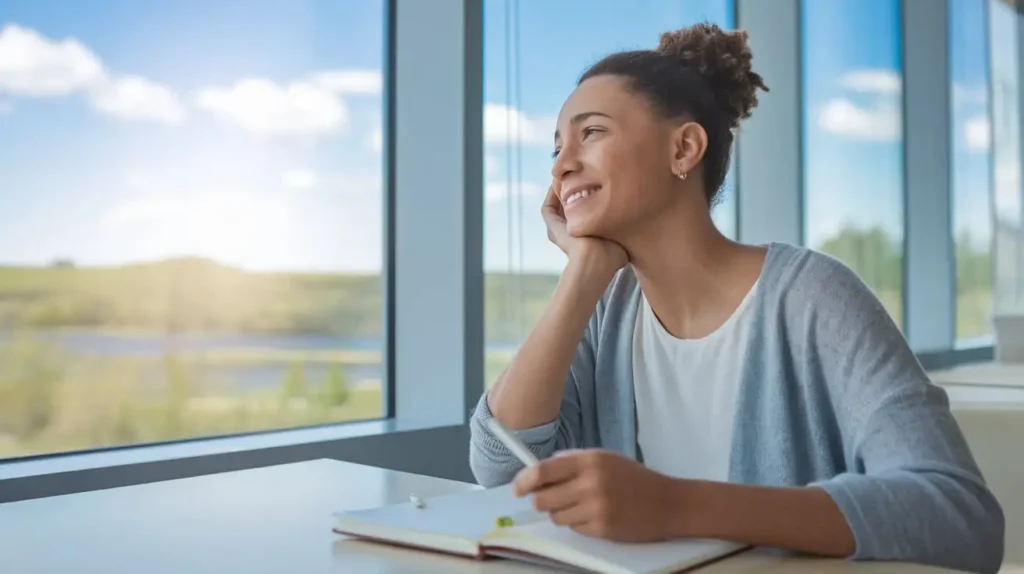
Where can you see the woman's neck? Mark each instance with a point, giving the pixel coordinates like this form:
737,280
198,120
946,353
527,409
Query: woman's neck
693,276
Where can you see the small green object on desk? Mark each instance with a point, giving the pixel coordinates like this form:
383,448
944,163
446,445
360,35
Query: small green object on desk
505,521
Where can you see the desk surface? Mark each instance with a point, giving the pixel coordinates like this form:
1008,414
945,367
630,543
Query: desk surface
991,374
267,520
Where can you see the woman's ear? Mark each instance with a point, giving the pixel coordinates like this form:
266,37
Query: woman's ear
689,142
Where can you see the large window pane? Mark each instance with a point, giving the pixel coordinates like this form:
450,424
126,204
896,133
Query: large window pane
971,169
534,52
1008,246
853,163
190,219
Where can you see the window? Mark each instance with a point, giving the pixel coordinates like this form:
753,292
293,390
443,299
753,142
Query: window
1008,245
853,163
533,53
971,168
190,219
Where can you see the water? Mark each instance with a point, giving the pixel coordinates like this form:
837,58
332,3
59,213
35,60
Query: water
253,375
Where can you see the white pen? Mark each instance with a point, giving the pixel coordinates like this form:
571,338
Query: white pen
512,442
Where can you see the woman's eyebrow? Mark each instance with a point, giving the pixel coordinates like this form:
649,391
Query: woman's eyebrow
583,116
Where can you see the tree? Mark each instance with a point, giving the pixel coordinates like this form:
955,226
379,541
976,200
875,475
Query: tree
294,384
335,391
870,253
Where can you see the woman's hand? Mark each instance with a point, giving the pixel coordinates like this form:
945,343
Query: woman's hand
607,254
603,494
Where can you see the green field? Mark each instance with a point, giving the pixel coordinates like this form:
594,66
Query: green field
57,399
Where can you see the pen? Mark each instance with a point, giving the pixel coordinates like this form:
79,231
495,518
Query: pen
512,442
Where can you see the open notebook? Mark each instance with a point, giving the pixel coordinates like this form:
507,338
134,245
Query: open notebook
465,524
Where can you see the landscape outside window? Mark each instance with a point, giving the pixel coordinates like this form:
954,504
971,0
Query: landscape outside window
190,219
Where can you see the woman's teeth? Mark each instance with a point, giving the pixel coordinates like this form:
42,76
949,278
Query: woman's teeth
578,196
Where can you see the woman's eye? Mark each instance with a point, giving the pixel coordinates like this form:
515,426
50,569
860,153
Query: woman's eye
588,131
554,154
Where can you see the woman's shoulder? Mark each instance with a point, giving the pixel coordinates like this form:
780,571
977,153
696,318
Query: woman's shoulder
812,285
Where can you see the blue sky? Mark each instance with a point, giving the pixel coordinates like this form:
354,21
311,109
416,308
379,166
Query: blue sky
249,132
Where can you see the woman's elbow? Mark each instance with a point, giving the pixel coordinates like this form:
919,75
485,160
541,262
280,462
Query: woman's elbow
978,545
988,533
486,472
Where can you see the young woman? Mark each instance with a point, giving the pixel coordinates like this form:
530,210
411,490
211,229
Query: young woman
690,386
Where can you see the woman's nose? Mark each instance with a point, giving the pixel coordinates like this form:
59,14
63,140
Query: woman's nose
566,163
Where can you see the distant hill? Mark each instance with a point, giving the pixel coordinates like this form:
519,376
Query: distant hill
194,294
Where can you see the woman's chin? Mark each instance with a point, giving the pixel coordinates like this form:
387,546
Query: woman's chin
579,229
586,231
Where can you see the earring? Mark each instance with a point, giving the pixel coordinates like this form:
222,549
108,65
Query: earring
681,175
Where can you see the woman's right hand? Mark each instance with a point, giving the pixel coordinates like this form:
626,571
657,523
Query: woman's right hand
607,254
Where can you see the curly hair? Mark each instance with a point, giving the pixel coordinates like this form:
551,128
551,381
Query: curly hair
702,73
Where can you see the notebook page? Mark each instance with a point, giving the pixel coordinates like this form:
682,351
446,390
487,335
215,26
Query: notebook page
640,558
469,515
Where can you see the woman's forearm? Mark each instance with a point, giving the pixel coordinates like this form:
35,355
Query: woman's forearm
804,519
529,392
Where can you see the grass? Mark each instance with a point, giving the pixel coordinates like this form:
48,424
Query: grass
158,421
52,400
974,313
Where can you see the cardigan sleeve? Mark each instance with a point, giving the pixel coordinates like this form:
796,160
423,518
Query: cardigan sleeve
493,464
912,490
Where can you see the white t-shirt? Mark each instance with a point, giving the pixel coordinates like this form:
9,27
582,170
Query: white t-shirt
686,391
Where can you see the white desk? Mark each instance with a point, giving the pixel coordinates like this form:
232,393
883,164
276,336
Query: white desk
983,385
270,520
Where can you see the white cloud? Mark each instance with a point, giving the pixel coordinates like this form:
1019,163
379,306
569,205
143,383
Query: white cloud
504,124
269,109
136,98
376,140
32,65
300,179
872,81
873,115
366,82
880,122
498,190
976,133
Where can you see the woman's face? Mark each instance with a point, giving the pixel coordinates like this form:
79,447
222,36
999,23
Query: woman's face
615,160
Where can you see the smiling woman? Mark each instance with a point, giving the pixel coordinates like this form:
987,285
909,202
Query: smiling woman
190,239
521,264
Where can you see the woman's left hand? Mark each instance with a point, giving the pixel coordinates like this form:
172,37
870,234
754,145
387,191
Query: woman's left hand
603,494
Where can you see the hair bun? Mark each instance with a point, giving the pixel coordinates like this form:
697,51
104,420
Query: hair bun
723,59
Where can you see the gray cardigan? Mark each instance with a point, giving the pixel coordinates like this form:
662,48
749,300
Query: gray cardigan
832,396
